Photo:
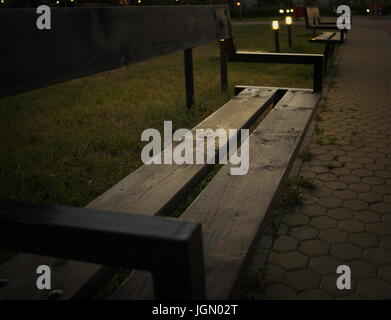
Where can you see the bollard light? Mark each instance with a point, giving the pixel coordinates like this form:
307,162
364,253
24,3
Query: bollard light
288,22
275,27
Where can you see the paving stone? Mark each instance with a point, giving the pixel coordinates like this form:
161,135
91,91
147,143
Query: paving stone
314,248
379,229
283,229
384,273
340,214
383,174
378,256
386,242
372,181
374,289
354,165
327,177
295,219
367,216
370,197
319,170
362,173
314,210
383,189
346,251
364,240
284,244
345,194
365,160
333,236
361,270
351,226
301,280
381,207
322,192
350,179
336,185
330,202
291,260
279,292
322,223
303,233
324,265
313,295
359,187
356,205
387,218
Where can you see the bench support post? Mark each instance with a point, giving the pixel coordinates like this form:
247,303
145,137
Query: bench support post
189,77
223,67
318,75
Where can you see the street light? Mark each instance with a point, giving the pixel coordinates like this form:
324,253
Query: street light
281,11
288,22
238,4
275,27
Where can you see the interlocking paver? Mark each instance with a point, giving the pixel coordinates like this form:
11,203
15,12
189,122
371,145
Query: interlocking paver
364,240
291,260
304,233
285,244
333,236
375,289
314,248
351,226
377,256
347,219
324,265
322,223
346,251
379,229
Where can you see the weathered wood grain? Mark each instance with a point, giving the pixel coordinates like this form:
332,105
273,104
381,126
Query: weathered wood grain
232,208
85,41
150,190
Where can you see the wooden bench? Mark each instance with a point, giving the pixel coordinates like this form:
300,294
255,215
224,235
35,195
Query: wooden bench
118,228
314,22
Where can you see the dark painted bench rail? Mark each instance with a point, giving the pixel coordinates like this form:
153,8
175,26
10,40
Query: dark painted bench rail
85,246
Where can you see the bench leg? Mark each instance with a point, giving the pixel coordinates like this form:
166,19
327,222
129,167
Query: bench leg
223,67
318,75
189,77
327,52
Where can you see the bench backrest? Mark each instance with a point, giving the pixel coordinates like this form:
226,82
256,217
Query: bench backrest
86,41
311,16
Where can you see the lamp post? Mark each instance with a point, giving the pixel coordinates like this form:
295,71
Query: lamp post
275,27
240,9
288,22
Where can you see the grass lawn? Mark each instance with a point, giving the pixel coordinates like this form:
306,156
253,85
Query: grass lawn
70,142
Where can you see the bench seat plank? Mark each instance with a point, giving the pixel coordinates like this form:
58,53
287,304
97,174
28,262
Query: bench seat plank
150,190
324,36
232,208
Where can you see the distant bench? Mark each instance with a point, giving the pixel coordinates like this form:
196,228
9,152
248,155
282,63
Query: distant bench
314,21
206,252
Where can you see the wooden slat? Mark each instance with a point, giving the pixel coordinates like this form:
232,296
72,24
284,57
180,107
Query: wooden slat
150,190
232,208
324,36
84,41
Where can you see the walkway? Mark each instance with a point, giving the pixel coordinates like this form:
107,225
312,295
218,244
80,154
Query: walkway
347,219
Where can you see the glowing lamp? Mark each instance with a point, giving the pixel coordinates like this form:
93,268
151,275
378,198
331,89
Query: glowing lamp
288,20
275,25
